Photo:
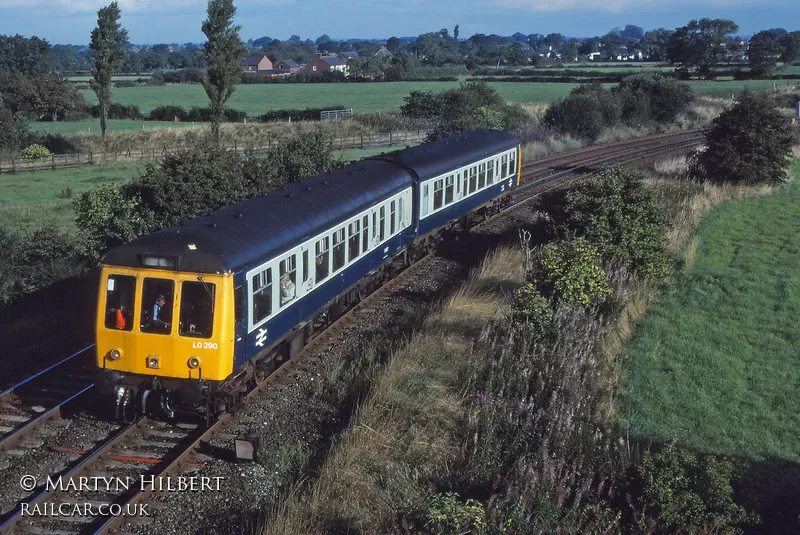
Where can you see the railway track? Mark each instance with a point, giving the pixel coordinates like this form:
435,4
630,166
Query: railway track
145,452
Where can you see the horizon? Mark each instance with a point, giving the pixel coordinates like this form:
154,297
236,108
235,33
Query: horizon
70,22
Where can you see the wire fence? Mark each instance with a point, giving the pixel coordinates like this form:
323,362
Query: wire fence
63,161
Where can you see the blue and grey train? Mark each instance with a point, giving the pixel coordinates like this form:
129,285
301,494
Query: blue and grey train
195,313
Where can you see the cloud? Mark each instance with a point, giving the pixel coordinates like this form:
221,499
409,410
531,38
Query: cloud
83,6
610,6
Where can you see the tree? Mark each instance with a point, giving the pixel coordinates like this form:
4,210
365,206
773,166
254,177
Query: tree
700,45
20,55
749,143
393,44
791,47
107,45
764,52
455,33
223,51
13,130
652,97
654,44
632,31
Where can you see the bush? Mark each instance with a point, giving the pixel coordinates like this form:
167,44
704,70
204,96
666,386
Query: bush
750,143
690,493
308,114
529,307
447,514
569,272
585,113
119,111
56,143
36,152
616,213
652,98
170,112
125,83
14,132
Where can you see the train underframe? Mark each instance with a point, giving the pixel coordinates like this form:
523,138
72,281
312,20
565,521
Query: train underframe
168,398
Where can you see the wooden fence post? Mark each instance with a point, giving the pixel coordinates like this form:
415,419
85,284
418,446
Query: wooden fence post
53,160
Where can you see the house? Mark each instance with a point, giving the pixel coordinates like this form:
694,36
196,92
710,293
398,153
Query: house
383,53
349,54
322,63
286,66
591,56
256,64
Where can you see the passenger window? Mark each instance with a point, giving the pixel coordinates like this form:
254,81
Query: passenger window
392,218
400,213
353,231
490,171
365,233
504,166
305,265
120,293
465,183
425,201
238,307
473,179
438,194
322,260
374,225
288,271
338,250
448,190
482,176
157,304
262,295
382,223
197,309
513,162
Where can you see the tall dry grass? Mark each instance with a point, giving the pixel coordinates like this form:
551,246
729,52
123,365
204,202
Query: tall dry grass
406,433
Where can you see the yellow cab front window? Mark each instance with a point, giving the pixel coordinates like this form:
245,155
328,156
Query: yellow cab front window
157,299
197,309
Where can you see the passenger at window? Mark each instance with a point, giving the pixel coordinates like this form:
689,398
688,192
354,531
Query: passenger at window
120,321
287,289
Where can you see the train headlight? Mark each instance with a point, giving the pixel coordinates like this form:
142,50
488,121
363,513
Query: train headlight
114,354
194,363
152,362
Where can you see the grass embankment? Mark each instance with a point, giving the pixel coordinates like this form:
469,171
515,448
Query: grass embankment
716,364
407,430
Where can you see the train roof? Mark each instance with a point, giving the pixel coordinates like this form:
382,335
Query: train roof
257,229
440,156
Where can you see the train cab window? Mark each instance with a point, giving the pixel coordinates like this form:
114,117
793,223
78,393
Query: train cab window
438,194
425,201
197,309
262,295
322,260
365,232
353,241
490,172
512,161
157,295
392,218
473,179
288,272
120,292
382,223
503,166
338,249
448,189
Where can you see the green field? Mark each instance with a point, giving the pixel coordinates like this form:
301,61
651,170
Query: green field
716,364
256,99
33,198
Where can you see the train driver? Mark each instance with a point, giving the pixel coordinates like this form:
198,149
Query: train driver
158,316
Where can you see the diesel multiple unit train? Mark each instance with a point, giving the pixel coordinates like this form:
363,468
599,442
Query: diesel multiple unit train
193,314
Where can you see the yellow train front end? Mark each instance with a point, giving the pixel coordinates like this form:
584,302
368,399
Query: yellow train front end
163,337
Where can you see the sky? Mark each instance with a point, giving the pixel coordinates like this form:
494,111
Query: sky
178,21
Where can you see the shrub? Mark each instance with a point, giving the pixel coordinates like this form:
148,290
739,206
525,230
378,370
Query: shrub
690,493
56,143
447,514
585,113
569,272
14,132
616,213
125,83
531,308
652,98
308,114
170,112
36,152
749,143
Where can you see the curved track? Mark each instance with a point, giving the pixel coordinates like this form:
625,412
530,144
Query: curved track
159,450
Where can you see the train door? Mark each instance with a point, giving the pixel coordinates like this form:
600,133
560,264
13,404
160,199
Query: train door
240,326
